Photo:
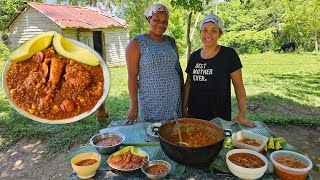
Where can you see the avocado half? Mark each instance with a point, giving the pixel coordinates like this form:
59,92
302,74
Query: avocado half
33,45
68,49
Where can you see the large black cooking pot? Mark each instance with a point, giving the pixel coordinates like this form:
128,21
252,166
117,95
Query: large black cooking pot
200,157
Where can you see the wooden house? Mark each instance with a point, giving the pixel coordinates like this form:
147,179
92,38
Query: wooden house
99,29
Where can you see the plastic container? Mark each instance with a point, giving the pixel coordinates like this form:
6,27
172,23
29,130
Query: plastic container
251,135
246,173
287,173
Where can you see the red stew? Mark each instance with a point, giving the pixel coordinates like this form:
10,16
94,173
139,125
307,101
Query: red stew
109,141
157,169
53,87
249,141
246,160
196,138
290,162
86,162
127,161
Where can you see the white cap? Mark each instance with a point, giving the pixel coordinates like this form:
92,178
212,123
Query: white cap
154,8
212,18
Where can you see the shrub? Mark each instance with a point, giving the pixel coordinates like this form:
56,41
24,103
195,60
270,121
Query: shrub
4,52
249,41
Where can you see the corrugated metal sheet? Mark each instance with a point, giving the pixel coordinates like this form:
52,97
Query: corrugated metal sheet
67,16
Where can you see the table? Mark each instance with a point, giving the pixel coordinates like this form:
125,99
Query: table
137,133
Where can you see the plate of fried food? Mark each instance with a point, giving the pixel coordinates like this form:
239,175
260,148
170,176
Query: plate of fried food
55,80
128,159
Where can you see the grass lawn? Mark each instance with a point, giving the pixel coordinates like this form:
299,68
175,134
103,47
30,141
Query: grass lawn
281,88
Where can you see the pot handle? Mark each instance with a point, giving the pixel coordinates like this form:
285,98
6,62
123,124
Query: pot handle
227,132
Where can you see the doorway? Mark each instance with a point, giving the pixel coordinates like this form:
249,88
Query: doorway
97,42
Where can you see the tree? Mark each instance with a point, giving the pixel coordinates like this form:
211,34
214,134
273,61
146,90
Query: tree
8,8
134,10
301,22
191,6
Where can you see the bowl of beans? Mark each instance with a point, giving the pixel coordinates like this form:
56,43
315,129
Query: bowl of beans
246,164
108,142
290,165
156,169
86,164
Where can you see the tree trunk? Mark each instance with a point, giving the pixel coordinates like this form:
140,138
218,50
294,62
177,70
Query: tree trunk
122,9
94,3
316,41
188,36
194,27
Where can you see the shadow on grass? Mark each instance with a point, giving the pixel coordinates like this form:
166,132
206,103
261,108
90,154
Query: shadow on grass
58,137
269,107
299,85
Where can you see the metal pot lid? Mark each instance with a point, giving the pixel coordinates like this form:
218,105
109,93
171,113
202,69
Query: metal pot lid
152,132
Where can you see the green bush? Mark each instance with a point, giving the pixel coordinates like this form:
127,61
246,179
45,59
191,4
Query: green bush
4,52
248,41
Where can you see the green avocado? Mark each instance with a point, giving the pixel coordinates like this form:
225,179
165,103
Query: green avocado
70,50
33,45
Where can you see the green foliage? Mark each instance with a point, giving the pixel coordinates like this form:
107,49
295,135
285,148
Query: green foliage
4,51
249,41
135,18
190,5
301,22
8,8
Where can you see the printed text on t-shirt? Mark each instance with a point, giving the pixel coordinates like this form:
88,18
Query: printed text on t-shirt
200,71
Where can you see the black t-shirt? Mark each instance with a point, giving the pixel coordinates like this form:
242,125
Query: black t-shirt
210,93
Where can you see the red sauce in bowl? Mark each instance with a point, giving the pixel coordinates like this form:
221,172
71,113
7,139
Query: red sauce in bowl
290,162
109,141
157,169
250,141
246,160
86,162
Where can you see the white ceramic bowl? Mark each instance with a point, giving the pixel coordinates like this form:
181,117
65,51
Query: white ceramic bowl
285,172
246,173
86,172
61,121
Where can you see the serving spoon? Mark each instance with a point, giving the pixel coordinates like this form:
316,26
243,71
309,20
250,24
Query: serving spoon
179,131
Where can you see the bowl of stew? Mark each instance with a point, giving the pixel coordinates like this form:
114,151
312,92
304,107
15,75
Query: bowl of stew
86,164
246,164
35,89
156,169
205,141
290,165
108,142
248,140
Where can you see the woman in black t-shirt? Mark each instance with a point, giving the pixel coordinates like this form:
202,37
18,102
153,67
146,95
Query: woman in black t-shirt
207,92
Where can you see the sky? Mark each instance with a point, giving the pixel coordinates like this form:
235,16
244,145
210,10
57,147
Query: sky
50,1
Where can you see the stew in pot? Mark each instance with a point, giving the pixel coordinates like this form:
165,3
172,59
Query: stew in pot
195,138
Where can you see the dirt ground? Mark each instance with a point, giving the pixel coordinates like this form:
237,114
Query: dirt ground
25,161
